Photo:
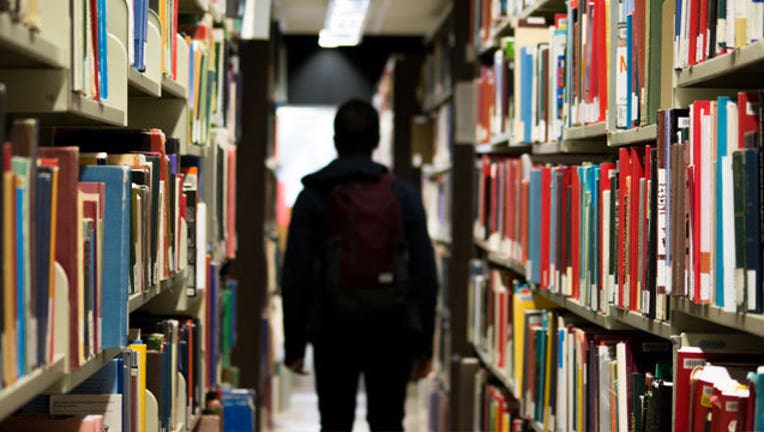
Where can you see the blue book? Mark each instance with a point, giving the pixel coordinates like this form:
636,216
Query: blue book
42,262
239,410
116,249
140,30
526,91
103,52
191,76
721,151
534,229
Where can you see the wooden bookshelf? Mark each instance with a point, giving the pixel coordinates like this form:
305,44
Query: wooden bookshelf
738,69
21,47
27,388
638,135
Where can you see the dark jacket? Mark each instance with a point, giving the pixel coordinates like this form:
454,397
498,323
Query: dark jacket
303,315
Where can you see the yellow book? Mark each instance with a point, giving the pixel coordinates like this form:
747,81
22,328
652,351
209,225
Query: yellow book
522,301
580,392
140,348
741,30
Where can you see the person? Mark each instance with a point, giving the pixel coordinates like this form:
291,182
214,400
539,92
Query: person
388,345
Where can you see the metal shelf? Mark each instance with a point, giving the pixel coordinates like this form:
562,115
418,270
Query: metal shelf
661,329
632,136
570,147
602,320
752,323
738,69
506,263
507,382
592,131
500,146
28,387
71,380
173,89
139,84
21,47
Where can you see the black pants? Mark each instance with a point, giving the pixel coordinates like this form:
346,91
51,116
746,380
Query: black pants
383,357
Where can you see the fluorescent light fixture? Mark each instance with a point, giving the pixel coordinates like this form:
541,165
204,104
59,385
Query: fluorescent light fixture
344,23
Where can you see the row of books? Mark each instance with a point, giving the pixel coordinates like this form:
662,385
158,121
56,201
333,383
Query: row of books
106,218
705,29
568,374
680,218
28,12
90,54
494,410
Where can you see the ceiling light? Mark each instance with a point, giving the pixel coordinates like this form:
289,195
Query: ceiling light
344,23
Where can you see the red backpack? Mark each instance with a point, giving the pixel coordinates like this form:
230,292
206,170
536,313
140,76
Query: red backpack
365,264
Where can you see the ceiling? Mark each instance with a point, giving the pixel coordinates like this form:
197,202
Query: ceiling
386,17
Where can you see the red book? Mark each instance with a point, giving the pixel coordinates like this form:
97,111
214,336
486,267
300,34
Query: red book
748,120
546,178
697,111
702,46
637,173
623,175
601,66
509,200
702,382
501,330
564,232
726,407
693,13
644,217
575,233
94,29
484,178
174,53
67,250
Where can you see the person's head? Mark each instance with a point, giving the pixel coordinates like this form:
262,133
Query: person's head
356,128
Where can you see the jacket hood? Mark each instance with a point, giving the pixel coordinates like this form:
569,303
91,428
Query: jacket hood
346,168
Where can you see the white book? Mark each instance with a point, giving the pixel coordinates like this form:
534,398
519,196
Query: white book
605,252
77,10
623,379
755,21
730,26
603,354
728,226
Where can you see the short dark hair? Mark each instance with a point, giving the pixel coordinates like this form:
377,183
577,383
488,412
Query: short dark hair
356,128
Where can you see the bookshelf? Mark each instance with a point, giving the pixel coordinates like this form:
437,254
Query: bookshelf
588,132
751,323
500,146
638,135
27,388
21,47
738,69
39,73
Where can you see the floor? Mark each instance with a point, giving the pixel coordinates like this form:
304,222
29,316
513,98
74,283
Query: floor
301,415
